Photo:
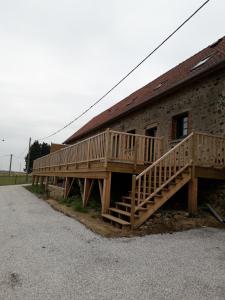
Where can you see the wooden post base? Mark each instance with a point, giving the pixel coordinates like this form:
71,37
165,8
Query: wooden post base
88,185
193,195
105,192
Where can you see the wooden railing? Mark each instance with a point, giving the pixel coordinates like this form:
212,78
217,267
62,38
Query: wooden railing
154,178
107,146
134,148
209,150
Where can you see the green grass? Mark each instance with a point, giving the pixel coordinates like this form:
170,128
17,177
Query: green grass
75,202
36,189
14,179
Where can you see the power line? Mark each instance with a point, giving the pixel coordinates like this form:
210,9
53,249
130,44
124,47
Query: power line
129,73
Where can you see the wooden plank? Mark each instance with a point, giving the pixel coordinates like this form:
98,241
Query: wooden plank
100,190
210,173
115,219
193,193
66,187
133,193
88,185
106,192
46,183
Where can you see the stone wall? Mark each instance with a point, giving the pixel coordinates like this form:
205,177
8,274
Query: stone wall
204,102
55,192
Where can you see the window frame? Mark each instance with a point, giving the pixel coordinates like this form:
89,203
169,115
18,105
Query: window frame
179,120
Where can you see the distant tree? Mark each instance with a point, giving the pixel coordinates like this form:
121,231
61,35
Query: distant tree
36,150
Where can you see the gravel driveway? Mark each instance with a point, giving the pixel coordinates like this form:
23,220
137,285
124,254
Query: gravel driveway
46,255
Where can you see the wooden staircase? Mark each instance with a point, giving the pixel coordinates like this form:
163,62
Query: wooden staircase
154,186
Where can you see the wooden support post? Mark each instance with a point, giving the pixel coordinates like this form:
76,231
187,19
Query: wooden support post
69,189
37,180
193,195
100,190
33,180
106,193
132,212
193,183
42,181
88,185
55,180
46,183
66,187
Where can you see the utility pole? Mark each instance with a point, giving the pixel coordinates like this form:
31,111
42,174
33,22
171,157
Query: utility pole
10,164
28,160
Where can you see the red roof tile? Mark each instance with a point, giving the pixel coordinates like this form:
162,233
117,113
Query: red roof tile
180,74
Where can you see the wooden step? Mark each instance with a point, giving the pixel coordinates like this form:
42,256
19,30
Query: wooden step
123,204
121,212
115,219
129,206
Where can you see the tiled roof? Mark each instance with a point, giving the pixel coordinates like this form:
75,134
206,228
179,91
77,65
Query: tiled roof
191,68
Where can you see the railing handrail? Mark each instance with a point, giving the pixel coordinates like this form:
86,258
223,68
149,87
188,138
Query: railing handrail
137,135
73,145
165,155
209,135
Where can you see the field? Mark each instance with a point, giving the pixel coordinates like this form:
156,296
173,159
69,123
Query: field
13,179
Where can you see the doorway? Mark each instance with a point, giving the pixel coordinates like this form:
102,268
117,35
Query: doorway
151,131
150,154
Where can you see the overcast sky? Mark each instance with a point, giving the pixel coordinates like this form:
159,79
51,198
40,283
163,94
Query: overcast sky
58,57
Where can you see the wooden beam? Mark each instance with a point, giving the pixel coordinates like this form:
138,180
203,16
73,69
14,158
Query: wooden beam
42,181
88,185
100,190
193,195
46,183
81,187
132,212
55,180
66,187
106,193
71,184
210,173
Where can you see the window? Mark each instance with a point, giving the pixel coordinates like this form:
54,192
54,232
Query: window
151,131
180,126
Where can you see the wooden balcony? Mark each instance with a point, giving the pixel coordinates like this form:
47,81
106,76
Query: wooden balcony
109,151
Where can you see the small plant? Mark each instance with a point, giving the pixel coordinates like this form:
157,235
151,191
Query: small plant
36,189
75,202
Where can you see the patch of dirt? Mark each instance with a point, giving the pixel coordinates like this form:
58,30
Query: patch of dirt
163,221
91,220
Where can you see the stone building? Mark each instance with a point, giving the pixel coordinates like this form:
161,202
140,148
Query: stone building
166,137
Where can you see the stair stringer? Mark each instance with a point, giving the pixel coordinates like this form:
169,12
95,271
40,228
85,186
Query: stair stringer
166,195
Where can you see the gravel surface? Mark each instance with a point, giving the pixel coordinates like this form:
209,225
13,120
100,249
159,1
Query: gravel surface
46,255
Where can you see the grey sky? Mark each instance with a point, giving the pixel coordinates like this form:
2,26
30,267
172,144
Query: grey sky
58,57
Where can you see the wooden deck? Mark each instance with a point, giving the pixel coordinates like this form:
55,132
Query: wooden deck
157,176
109,151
